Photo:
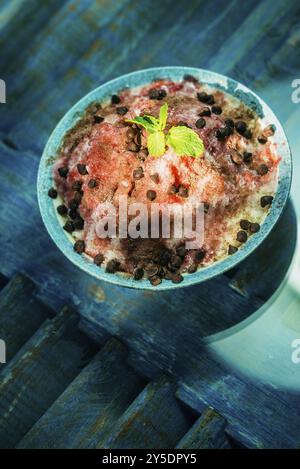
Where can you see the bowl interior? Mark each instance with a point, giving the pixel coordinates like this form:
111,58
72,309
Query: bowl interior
140,78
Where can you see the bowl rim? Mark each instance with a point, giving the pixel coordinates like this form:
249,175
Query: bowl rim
44,179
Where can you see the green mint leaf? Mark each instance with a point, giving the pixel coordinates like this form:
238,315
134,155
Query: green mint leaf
153,121
156,143
163,116
185,141
145,122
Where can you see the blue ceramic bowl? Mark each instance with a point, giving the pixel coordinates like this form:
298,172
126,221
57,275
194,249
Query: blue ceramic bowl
142,77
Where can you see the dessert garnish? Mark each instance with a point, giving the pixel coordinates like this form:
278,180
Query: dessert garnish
182,139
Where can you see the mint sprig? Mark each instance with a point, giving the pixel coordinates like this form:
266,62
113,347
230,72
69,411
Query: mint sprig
183,140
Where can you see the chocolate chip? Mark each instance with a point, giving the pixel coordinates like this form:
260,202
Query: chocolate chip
74,204
266,200
78,196
133,147
138,273
131,133
199,255
263,140
138,173
229,123
183,191
69,226
151,195
98,119
202,97
115,99
177,278
184,124
77,185
236,157
62,210
247,134
205,98
206,207
155,177
205,112
112,266
81,168
245,224
216,109
222,133
254,227
63,171
143,154
122,110
229,130
78,223
200,123
52,193
232,249
240,127
241,236
73,213
155,280
192,268
93,183
190,78
79,246
156,93
98,259
247,157
173,189
262,169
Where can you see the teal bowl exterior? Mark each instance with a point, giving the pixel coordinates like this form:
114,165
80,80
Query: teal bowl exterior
138,78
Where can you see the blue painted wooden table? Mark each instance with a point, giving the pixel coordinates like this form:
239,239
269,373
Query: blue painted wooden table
52,53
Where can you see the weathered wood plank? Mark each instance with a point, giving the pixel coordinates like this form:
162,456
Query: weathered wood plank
208,432
39,373
88,409
31,15
103,28
154,420
20,314
252,44
257,416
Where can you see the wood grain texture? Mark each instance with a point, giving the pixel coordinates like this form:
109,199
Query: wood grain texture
20,314
154,420
90,406
39,373
208,432
257,416
52,53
